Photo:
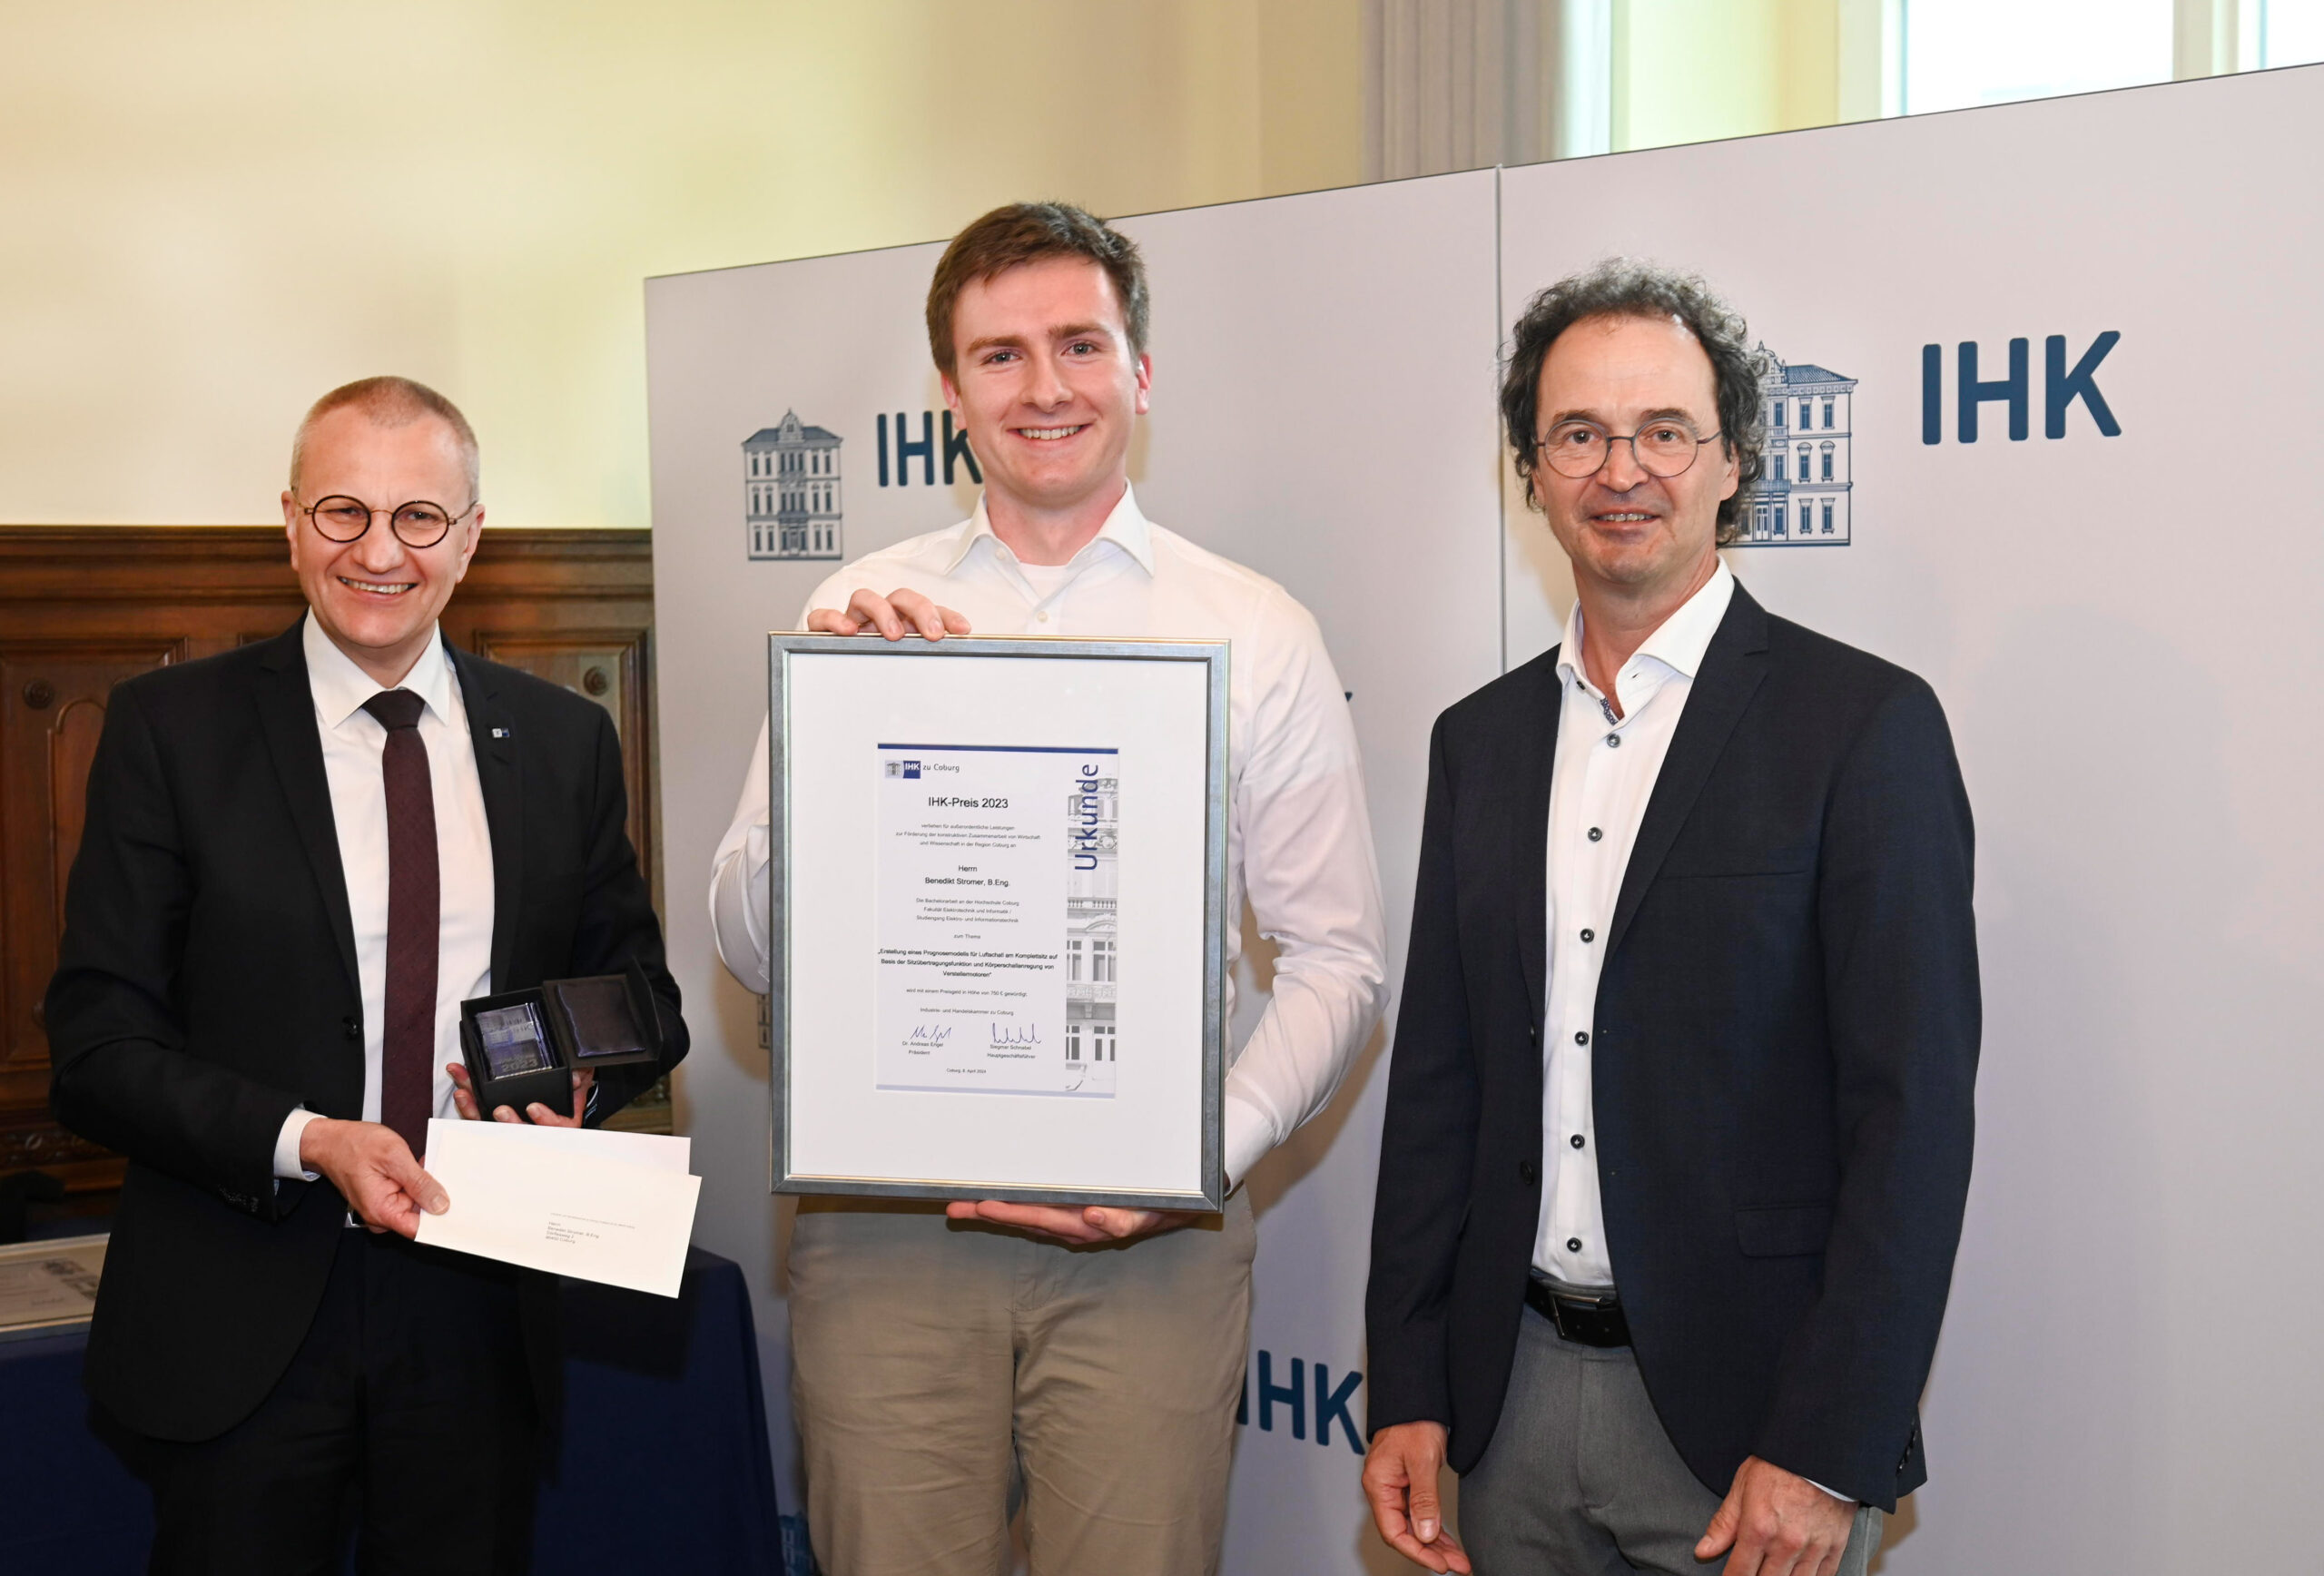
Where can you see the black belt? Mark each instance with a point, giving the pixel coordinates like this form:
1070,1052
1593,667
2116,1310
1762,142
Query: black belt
1585,1319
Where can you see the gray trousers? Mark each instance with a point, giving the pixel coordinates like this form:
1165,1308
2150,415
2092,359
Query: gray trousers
1580,1480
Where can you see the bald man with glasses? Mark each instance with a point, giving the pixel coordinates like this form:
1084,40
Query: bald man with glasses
300,857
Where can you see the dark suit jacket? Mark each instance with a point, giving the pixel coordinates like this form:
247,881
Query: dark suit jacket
1783,1059
206,985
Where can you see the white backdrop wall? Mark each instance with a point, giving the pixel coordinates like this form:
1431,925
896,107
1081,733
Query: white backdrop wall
2122,629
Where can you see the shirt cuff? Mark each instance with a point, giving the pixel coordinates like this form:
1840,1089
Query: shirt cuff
286,1147
1244,1138
1844,1499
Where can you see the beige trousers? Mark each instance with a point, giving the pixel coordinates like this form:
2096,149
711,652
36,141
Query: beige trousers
938,1365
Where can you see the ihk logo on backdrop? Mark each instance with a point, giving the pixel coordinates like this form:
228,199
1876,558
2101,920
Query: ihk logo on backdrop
791,496
1803,498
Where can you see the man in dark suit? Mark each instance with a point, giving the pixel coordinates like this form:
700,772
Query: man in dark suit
299,858
1679,1119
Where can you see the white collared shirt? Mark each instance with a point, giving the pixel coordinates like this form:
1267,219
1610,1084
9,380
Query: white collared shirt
353,741
1299,845
1603,777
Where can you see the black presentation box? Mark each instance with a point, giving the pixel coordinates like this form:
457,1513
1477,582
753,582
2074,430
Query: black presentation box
524,1046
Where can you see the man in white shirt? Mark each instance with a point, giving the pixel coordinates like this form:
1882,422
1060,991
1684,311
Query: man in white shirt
1678,1122
300,857
1096,1356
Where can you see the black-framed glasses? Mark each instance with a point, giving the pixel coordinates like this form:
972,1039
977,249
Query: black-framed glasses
418,523
1663,449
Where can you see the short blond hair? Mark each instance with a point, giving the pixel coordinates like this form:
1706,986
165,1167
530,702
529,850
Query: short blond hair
391,401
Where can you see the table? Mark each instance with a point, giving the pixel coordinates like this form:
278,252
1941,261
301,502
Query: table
663,1459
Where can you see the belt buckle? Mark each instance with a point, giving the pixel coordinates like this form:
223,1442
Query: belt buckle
1582,1320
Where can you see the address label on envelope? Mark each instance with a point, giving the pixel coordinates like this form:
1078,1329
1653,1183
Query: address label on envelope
563,1203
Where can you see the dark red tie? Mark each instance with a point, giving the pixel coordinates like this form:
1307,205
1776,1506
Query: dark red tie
407,1060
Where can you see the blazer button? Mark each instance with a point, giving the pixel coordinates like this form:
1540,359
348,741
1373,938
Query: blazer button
1528,1172
1534,1035
354,1028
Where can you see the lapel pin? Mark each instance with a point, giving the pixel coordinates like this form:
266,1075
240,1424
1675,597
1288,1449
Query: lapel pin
501,734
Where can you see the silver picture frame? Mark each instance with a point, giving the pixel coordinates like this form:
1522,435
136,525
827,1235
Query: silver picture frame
789,931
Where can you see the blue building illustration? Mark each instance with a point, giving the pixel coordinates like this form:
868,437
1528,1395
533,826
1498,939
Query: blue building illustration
792,490
1803,498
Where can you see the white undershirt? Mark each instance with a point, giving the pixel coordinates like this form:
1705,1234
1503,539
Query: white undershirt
1048,579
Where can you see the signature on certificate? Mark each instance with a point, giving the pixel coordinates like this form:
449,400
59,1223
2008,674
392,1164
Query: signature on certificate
1012,1034
930,1033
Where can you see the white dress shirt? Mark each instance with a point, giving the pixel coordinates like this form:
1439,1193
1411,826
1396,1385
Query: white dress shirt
1299,845
1599,782
353,741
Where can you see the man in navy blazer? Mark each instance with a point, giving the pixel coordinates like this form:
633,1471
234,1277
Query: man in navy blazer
269,927
1679,1119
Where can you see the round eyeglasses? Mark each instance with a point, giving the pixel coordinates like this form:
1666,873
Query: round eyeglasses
1663,449
418,523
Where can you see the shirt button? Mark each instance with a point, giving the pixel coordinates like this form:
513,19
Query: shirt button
1581,1036
1575,1140
1595,835
1527,1171
1589,935
1614,741
1042,616
1573,1245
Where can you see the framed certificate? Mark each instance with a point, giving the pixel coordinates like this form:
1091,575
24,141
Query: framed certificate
998,926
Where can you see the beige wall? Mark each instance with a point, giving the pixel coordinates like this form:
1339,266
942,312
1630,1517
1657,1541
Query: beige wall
1687,71
212,212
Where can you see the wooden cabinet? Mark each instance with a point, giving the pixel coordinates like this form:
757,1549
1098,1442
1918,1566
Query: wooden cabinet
83,608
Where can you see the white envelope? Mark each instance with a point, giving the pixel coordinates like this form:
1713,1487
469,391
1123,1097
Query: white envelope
593,1205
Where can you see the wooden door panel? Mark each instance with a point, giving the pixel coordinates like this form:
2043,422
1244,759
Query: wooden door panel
608,667
52,696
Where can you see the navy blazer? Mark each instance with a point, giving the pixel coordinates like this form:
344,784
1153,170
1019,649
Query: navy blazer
1783,1059
206,985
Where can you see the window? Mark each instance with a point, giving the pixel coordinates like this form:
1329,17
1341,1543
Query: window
1779,410
1804,419
1072,1041
1827,414
1073,961
1778,470
1828,462
1101,1036
2291,32
1804,508
1828,516
2055,46
1101,963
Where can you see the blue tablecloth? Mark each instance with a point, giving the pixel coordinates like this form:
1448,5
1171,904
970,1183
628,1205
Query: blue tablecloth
663,1465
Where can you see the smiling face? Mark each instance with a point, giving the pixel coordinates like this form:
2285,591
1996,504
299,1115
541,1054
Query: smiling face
1642,537
377,598
1047,385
